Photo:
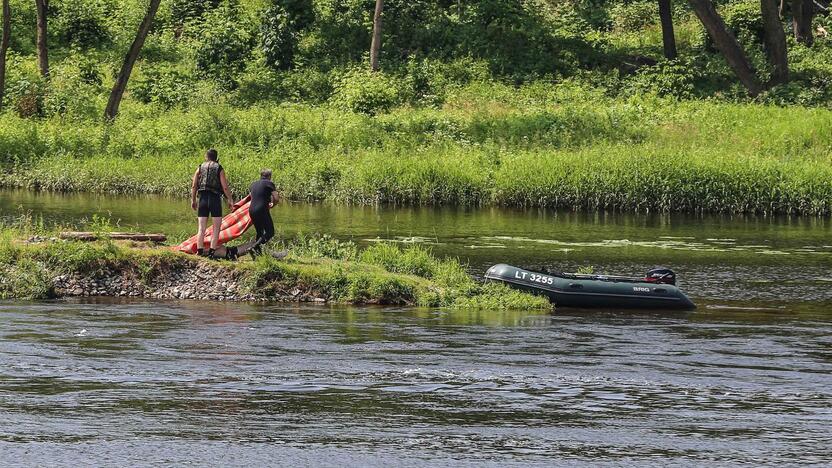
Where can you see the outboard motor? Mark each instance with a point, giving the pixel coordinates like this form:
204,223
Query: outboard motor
661,275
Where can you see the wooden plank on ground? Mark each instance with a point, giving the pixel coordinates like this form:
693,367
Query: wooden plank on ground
134,236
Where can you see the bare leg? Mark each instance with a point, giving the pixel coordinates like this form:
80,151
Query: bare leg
215,236
200,235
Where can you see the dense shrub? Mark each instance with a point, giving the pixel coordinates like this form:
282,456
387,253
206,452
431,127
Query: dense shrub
366,92
163,86
673,78
323,246
73,90
427,81
414,260
26,96
183,11
83,22
281,27
744,19
634,16
223,47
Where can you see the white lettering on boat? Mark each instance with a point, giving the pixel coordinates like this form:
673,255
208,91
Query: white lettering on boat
534,277
640,289
520,274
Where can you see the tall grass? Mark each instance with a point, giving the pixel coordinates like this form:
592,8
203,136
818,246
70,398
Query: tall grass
557,146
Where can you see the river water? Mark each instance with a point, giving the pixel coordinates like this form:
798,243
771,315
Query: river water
747,378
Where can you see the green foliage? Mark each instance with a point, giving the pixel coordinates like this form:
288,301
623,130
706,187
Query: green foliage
428,82
492,296
668,78
73,90
634,16
744,19
540,145
385,274
414,260
25,279
532,102
27,95
280,30
223,47
279,38
101,225
323,246
84,22
89,258
183,11
586,270
366,92
168,88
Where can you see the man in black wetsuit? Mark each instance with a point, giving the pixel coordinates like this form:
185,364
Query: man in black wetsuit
263,197
209,183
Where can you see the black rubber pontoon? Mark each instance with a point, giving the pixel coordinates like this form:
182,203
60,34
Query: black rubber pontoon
656,291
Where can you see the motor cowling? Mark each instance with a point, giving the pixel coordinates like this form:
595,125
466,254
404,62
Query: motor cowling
661,275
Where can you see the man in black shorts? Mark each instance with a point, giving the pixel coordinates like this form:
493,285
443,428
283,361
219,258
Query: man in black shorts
263,197
209,183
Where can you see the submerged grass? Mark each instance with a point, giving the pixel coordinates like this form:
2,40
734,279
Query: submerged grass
319,266
559,147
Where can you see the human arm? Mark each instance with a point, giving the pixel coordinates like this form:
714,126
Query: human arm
225,190
194,184
275,199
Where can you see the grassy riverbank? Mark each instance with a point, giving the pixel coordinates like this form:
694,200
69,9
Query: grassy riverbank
558,146
318,269
560,104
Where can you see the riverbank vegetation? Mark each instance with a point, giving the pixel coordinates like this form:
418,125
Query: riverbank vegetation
319,269
562,104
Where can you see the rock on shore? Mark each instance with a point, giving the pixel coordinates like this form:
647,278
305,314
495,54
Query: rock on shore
196,281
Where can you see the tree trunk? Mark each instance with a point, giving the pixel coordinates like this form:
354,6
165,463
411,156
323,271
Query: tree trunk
111,111
668,37
4,46
375,48
42,7
802,13
775,39
727,44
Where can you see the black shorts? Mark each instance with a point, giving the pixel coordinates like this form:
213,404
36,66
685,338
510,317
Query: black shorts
210,203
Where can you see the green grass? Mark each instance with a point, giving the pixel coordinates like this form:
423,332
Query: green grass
319,266
558,146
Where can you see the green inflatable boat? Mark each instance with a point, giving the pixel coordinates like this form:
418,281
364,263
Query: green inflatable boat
657,290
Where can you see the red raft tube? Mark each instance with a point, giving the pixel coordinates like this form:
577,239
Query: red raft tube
234,225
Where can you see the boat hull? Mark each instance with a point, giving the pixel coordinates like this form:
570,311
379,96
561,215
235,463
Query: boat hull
591,292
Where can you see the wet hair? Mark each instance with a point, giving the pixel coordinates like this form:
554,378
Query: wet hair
212,154
266,174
